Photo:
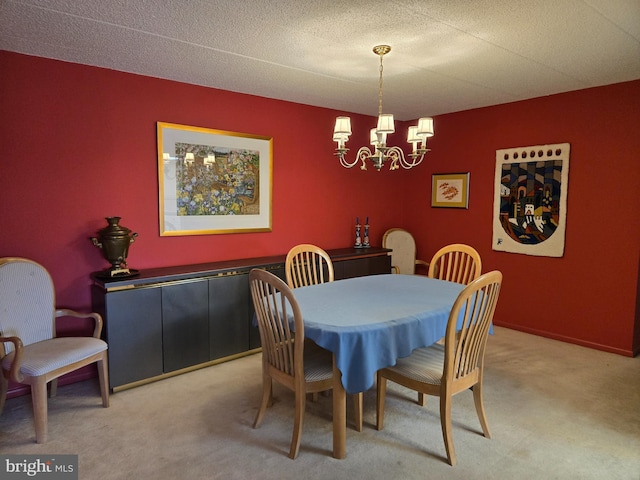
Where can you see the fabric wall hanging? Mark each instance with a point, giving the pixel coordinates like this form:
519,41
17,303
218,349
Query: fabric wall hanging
530,199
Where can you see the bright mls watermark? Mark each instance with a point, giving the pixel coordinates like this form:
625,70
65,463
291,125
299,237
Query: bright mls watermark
51,467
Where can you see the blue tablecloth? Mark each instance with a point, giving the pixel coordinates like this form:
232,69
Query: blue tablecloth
369,322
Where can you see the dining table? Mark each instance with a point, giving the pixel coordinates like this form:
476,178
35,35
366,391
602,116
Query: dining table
368,323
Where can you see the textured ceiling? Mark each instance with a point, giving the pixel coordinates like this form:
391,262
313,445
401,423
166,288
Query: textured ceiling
446,56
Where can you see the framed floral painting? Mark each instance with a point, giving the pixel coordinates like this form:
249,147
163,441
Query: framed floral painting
213,181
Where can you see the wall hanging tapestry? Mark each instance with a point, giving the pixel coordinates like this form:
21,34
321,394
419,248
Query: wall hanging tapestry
530,199
213,181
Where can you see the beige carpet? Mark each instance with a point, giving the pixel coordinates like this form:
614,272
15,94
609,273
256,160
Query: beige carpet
556,411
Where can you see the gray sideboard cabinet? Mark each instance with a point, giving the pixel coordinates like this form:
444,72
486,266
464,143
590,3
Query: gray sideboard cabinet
170,320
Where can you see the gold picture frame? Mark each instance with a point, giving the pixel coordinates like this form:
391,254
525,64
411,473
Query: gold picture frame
213,181
450,190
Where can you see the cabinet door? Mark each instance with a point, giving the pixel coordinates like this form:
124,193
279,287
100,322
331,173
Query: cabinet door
254,333
133,330
229,315
360,267
380,265
353,268
185,324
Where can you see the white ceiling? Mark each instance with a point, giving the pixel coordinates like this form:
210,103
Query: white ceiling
446,56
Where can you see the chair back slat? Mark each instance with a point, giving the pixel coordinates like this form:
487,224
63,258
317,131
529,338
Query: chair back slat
275,307
27,301
306,265
458,263
468,326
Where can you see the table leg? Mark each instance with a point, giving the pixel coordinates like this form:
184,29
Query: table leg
357,400
339,414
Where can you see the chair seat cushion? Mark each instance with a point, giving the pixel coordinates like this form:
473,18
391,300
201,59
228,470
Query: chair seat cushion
317,364
423,365
49,355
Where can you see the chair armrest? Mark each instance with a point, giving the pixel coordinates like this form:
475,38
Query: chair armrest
97,331
422,264
14,370
395,269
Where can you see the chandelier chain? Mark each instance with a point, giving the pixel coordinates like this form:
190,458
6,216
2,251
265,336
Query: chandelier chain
380,88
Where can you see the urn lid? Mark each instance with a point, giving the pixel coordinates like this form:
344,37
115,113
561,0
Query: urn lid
114,229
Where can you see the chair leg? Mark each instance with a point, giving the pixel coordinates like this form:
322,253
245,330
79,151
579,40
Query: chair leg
297,424
53,388
39,400
381,393
477,400
445,421
266,400
103,377
4,387
422,399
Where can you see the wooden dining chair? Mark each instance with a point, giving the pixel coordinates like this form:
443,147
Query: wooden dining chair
286,357
457,262
403,255
307,264
30,352
446,370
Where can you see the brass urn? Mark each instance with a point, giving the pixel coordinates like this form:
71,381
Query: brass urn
114,241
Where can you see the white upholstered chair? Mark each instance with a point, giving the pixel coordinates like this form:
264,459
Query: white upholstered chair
403,256
30,352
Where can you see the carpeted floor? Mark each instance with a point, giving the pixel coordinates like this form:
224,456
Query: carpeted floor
556,411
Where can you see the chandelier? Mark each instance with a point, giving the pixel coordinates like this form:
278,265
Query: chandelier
416,136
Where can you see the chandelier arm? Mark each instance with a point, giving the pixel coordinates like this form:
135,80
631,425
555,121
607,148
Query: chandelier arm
415,160
396,154
343,160
363,154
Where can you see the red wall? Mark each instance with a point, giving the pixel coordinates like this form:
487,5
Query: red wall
79,145
589,295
